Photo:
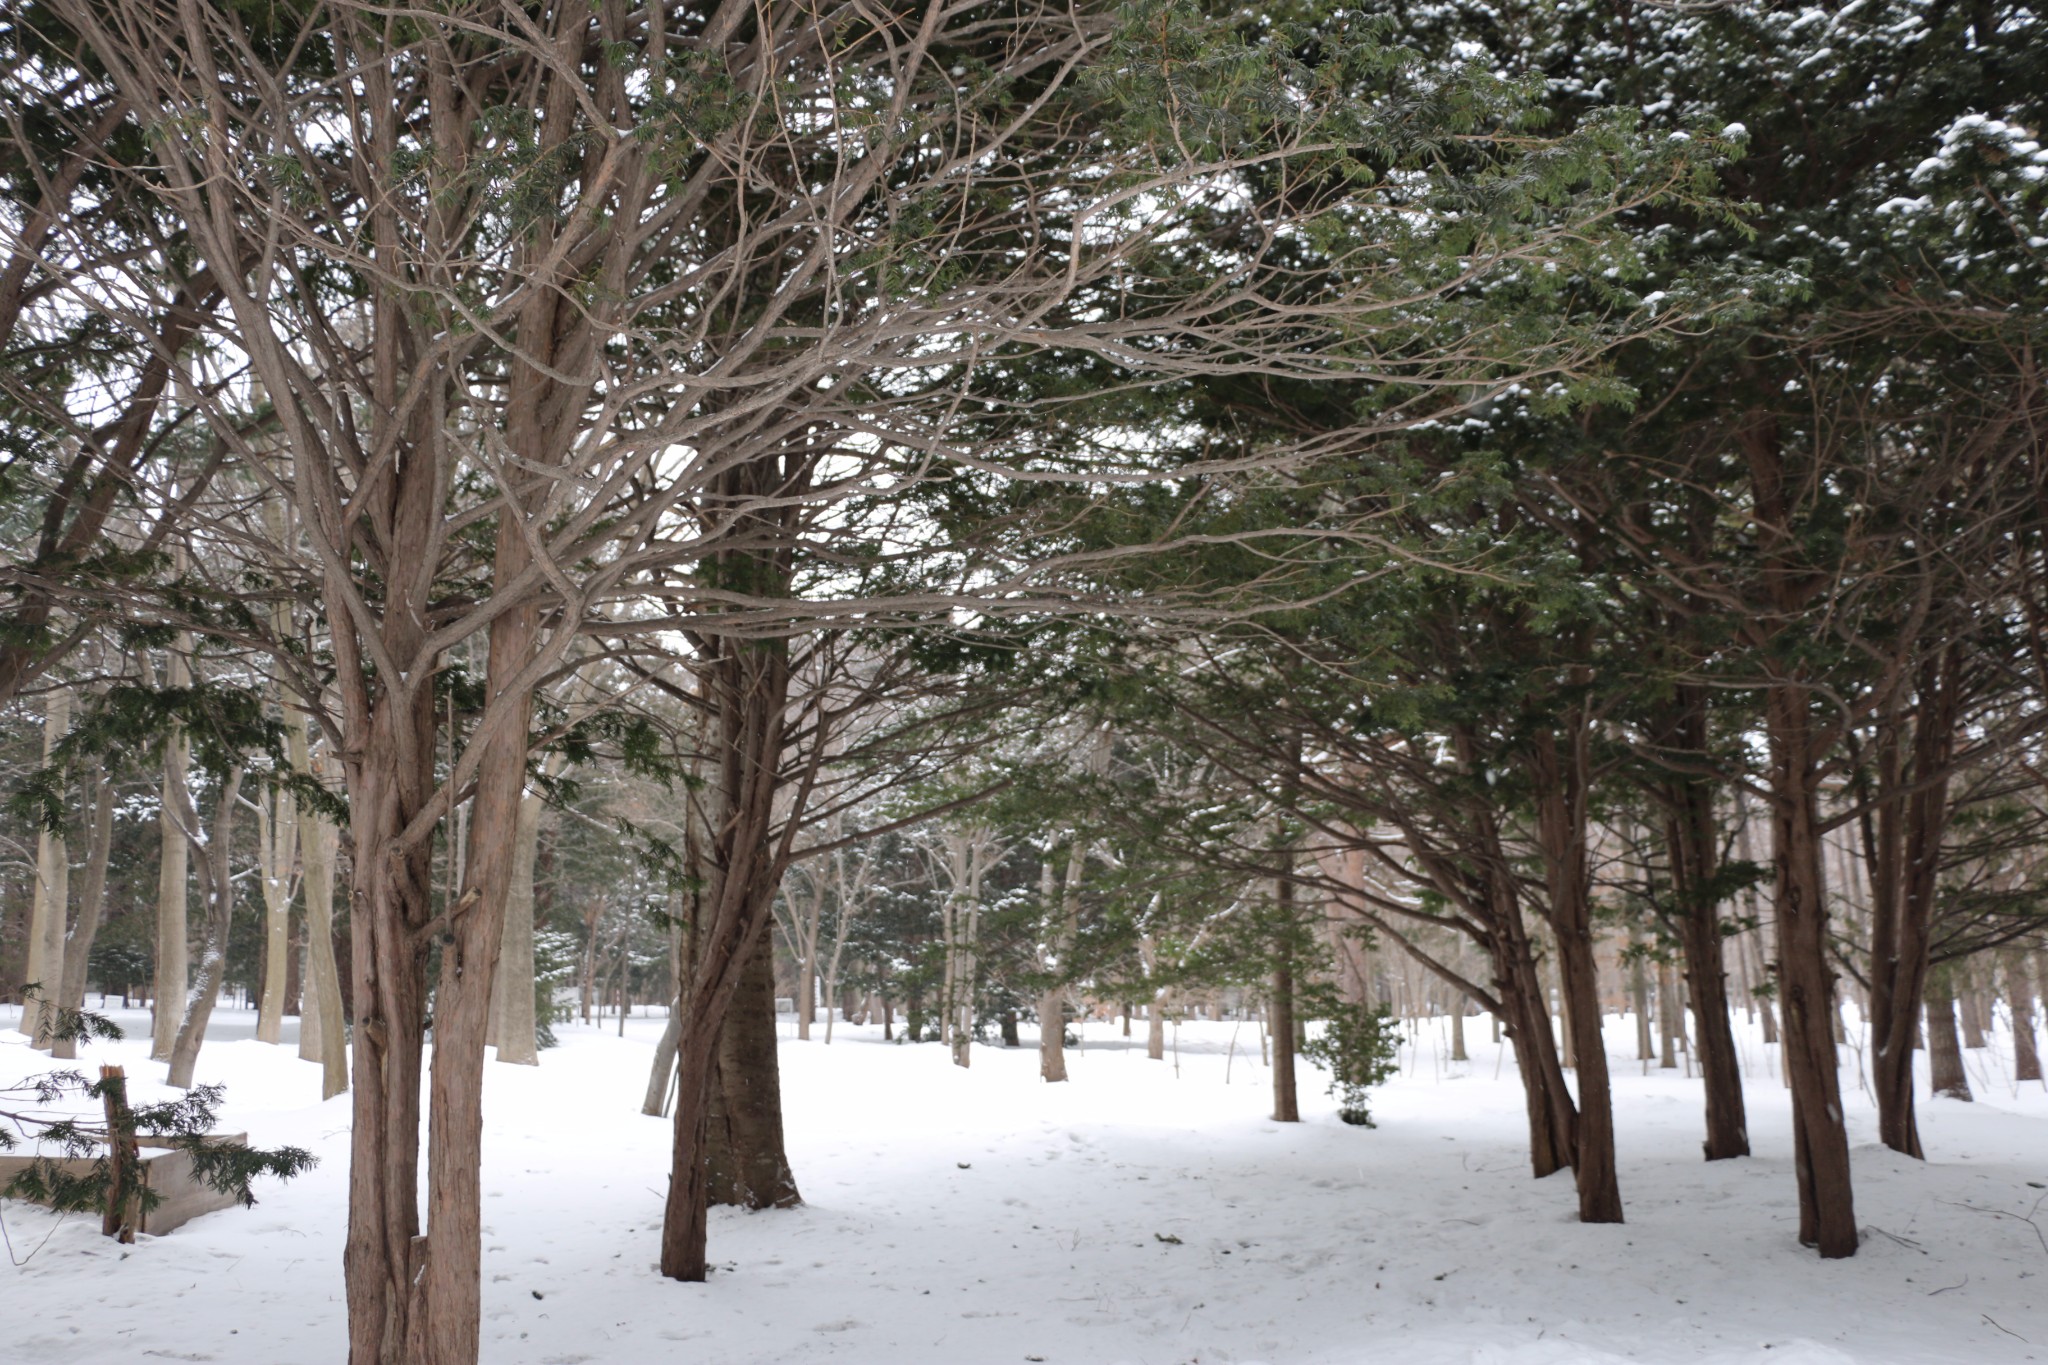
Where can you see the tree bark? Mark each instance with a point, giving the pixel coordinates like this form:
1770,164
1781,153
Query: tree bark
747,684
1052,1005
277,843
50,908
217,894
2019,998
748,1163
173,950
91,904
1946,1075
323,1034
1971,1000
391,778
1827,1210
1639,996
1911,819
1286,1098
1562,775
518,1032
1695,865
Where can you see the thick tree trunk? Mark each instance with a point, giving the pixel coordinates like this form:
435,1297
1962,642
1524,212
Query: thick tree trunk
391,778
1946,1075
91,902
2019,998
1458,1031
51,907
217,894
1827,1209
470,940
1667,1018
748,1166
748,686
1155,1026
173,950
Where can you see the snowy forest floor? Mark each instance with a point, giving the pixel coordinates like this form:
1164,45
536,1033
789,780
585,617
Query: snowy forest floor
1147,1212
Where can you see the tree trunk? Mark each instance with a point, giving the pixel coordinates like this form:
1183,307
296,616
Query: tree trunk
1695,863
391,777
518,1032
748,687
1286,1102
748,1166
51,906
323,1035
217,894
1155,1026
1972,1002
1052,1005
2019,998
91,902
277,844
1827,1210
1639,996
661,1075
1667,1018
1561,773
1905,861
1946,1075
173,949
1553,1118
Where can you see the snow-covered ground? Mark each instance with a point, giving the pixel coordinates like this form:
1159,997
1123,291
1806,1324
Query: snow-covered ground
1146,1212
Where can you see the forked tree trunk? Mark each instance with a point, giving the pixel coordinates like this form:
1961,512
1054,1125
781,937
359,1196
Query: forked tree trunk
217,894
1827,1209
2019,998
173,950
1552,1117
91,902
391,777
1562,776
748,686
470,940
1946,1075
1905,862
748,1165
1695,865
